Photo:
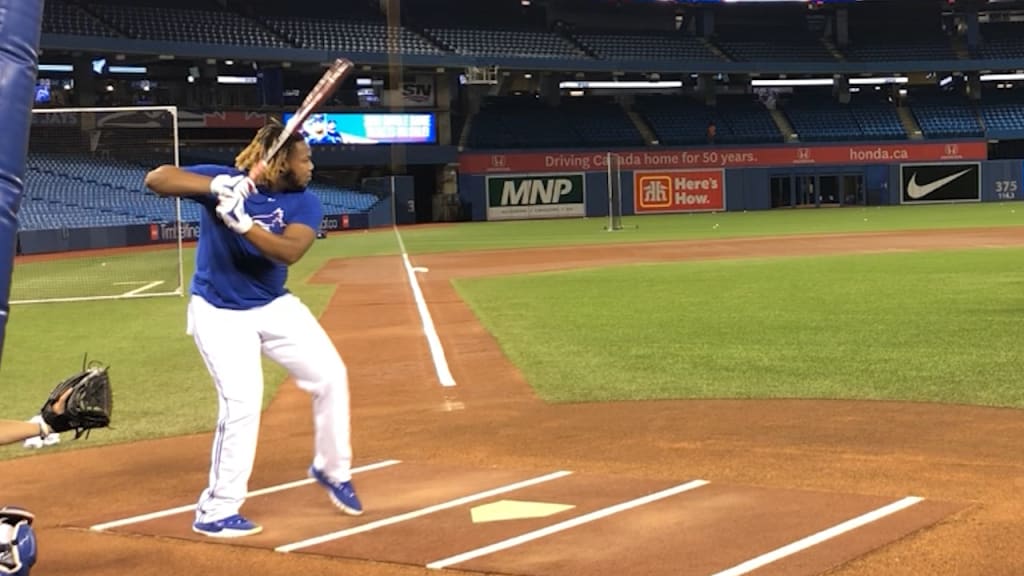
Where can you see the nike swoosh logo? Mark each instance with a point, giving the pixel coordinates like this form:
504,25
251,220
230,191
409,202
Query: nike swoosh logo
917,191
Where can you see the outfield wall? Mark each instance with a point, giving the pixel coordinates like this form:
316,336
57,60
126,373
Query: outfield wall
531,185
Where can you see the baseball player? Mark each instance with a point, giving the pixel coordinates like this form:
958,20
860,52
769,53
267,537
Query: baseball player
249,233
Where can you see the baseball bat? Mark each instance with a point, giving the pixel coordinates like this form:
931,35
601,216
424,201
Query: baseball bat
323,90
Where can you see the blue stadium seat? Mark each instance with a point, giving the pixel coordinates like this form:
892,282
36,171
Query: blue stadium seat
999,40
527,122
680,120
652,45
816,116
192,21
943,114
60,17
1002,111
81,190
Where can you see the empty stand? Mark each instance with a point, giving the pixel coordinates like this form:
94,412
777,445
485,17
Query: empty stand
527,122
816,116
683,120
354,27
504,29
1000,40
944,114
81,191
197,21
618,45
1002,112
769,34
505,43
882,32
60,17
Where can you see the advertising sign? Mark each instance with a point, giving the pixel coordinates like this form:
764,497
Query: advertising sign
678,191
529,196
936,183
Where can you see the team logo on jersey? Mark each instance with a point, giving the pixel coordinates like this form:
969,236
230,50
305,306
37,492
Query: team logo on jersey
272,222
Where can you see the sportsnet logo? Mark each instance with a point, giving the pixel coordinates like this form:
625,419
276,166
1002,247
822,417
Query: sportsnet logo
678,191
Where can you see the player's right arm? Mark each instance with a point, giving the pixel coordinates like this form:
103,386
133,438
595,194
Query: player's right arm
203,183
170,180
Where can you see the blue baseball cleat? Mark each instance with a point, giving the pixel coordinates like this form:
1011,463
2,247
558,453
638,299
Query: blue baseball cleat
230,527
343,494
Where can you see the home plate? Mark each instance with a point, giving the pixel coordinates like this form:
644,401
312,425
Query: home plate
515,510
420,269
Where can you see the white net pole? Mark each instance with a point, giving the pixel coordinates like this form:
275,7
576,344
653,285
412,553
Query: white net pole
178,223
611,191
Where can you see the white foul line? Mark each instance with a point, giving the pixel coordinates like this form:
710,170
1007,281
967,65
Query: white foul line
421,512
444,375
813,539
143,288
260,492
571,523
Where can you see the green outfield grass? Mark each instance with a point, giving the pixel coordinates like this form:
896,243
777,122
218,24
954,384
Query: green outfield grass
939,327
513,234
163,388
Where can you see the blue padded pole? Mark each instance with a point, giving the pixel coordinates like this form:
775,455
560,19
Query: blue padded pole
20,26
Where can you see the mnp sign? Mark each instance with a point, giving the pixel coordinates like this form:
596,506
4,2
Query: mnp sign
528,196
678,191
935,183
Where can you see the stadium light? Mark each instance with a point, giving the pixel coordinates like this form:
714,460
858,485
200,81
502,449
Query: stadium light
128,69
877,81
236,80
582,84
792,82
1000,77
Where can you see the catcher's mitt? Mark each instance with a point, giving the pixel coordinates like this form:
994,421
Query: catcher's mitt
87,406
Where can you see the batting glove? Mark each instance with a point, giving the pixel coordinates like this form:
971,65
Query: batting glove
225,185
231,211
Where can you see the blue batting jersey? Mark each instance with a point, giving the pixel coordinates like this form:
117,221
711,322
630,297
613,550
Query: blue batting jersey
230,272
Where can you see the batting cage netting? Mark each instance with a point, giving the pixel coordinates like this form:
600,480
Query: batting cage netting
85,200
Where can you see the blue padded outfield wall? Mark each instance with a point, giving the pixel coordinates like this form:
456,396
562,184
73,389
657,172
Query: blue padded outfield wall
537,184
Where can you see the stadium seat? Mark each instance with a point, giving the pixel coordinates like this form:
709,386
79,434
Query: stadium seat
60,17
527,122
681,120
187,21
618,45
943,114
80,190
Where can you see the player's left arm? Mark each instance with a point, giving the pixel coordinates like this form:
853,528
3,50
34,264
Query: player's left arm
288,247
293,243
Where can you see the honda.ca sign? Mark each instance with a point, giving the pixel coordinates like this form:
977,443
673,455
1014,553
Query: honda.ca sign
932,183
